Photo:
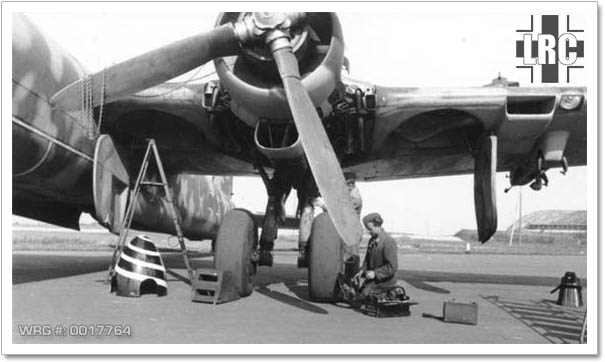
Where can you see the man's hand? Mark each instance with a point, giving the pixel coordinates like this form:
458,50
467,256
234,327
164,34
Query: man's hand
358,275
370,274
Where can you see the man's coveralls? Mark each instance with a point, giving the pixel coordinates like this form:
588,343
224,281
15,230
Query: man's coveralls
381,257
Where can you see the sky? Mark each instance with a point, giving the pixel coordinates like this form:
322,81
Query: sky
428,45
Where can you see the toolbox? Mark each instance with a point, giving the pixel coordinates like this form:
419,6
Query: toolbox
387,309
457,312
391,302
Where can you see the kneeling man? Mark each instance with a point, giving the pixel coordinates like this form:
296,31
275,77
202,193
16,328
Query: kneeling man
380,264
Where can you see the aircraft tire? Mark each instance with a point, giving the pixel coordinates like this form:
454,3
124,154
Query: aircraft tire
235,242
325,259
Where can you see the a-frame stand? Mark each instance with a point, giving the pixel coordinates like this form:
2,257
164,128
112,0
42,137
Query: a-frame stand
152,150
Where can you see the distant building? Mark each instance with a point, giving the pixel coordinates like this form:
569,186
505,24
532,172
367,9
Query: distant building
553,221
556,228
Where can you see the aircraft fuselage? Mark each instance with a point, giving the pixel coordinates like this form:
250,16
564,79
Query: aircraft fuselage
53,150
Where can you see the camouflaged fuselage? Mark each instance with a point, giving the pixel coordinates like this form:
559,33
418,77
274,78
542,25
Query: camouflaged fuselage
202,202
53,151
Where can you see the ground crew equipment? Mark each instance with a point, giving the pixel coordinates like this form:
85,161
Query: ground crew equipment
391,302
152,150
457,312
570,291
140,270
379,302
203,282
213,286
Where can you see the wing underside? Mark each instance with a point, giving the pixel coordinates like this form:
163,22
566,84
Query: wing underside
409,133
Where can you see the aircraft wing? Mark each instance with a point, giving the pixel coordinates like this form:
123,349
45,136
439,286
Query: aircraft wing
190,138
410,132
420,132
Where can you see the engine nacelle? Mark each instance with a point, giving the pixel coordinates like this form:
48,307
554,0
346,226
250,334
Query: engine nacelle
254,84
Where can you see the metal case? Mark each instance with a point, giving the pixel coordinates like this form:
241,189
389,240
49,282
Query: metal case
456,312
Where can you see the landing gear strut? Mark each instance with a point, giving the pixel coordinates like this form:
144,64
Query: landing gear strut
305,228
278,190
308,200
304,232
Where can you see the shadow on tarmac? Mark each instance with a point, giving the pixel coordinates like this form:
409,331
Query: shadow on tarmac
427,287
37,267
292,301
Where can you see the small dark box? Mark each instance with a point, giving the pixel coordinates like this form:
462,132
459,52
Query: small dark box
387,309
456,312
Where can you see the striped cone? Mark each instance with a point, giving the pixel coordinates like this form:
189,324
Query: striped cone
140,270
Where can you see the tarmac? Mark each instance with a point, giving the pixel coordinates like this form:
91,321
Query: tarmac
65,289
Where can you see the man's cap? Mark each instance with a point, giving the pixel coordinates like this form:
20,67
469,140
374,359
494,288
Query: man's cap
374,218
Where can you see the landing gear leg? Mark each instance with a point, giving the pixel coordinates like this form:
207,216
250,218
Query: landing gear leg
268,234
277,191
304,232
308,198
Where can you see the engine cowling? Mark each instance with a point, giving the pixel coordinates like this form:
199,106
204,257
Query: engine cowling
254,84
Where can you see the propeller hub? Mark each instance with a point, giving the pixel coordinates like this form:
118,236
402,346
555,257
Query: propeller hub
268,21
256,31
265,22
251,77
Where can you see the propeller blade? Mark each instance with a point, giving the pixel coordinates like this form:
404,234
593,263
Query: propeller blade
152,68
318,149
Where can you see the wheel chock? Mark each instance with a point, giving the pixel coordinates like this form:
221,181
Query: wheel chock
213,286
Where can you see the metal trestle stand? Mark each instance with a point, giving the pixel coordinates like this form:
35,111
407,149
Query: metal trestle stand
152,150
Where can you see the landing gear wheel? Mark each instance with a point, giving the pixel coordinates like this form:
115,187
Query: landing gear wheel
325,260
236,241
